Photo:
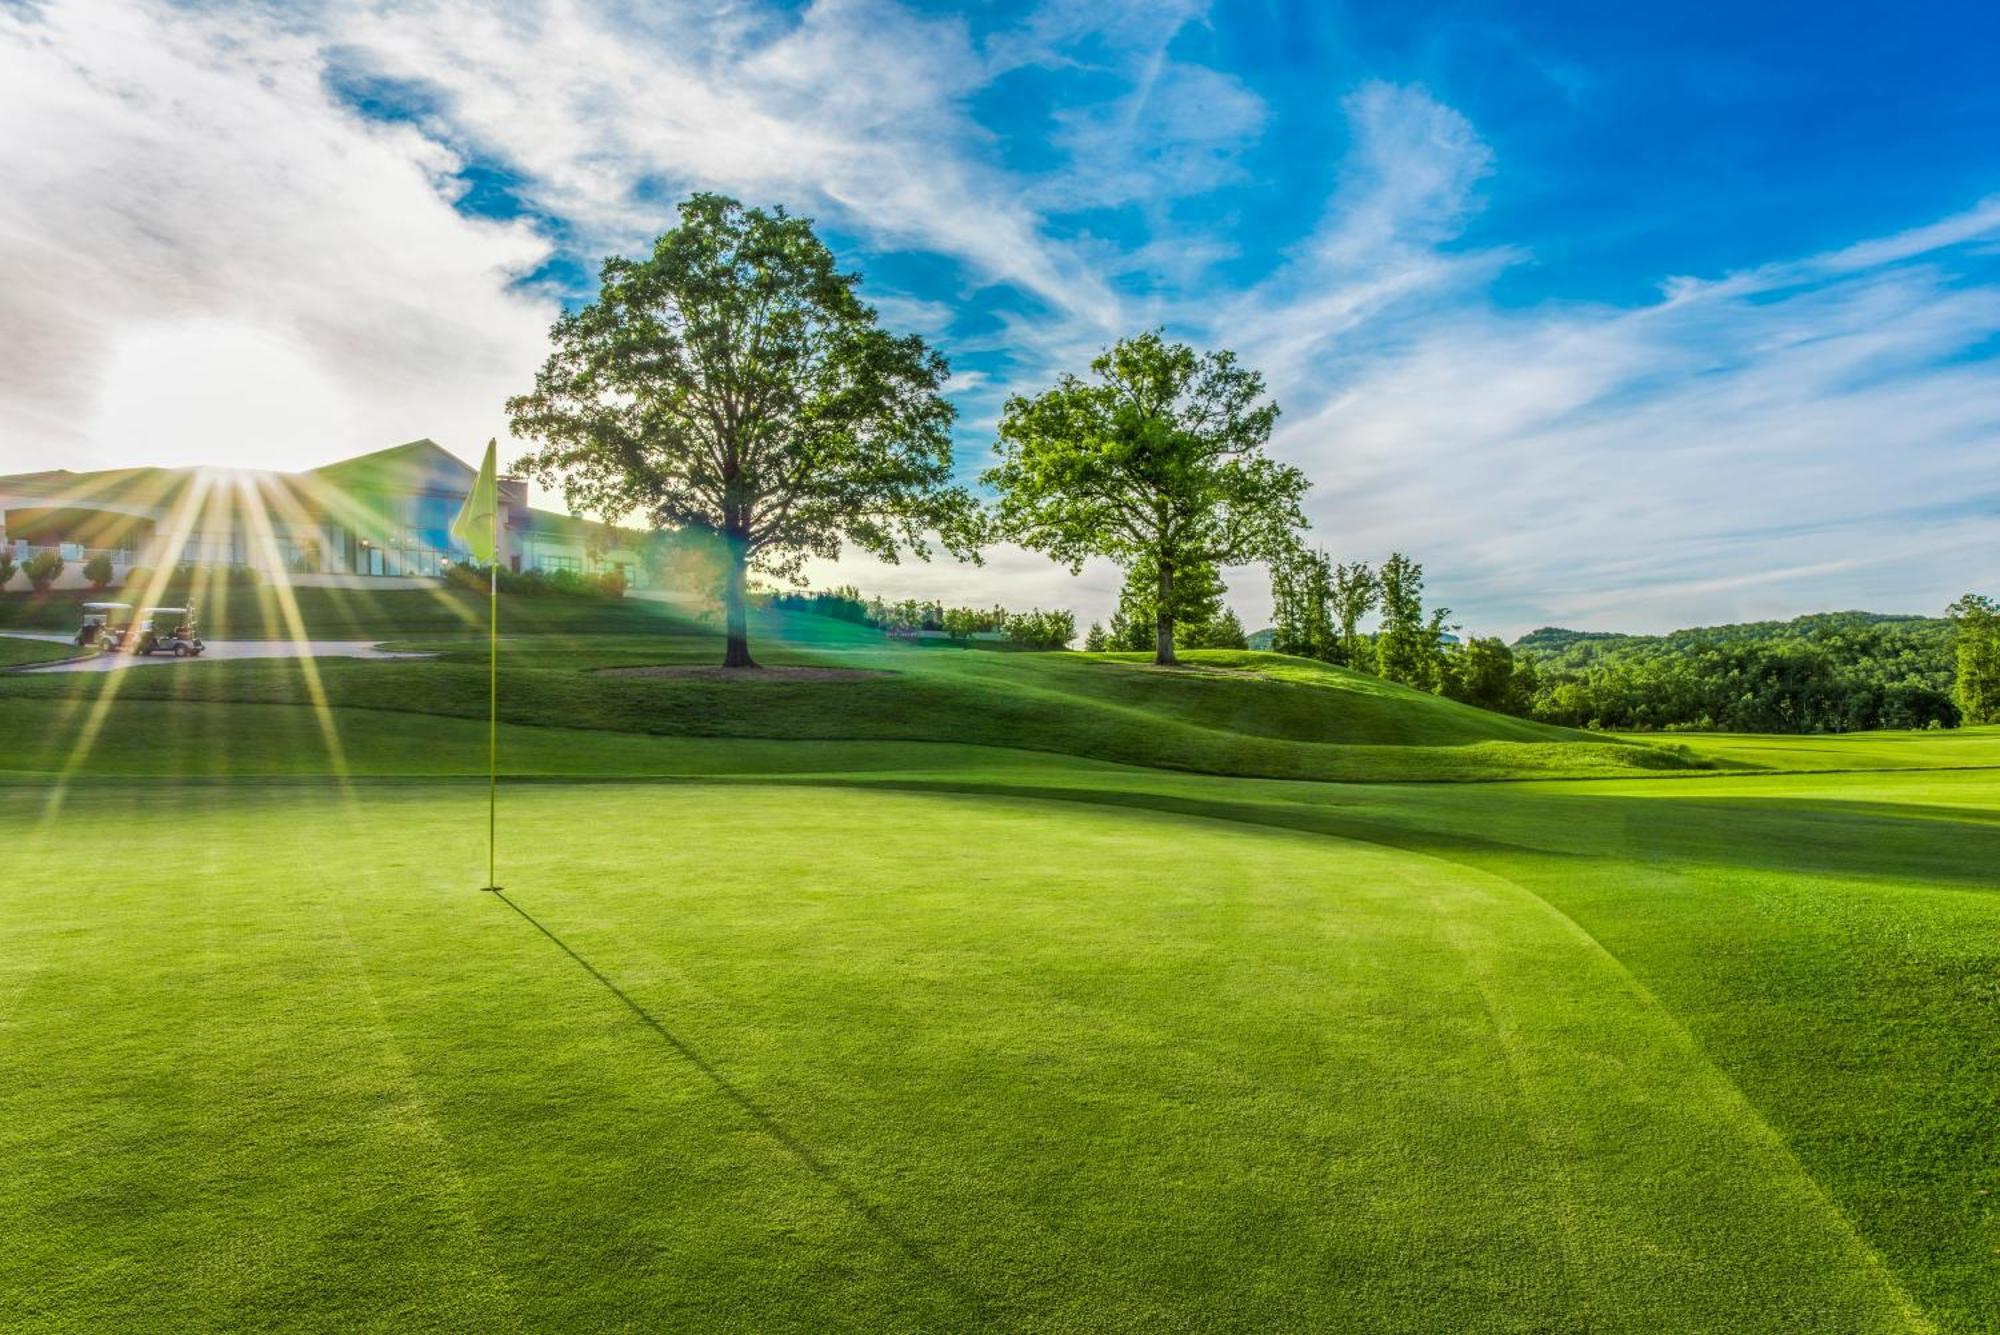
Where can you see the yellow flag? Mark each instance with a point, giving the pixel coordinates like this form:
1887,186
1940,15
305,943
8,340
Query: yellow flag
476,518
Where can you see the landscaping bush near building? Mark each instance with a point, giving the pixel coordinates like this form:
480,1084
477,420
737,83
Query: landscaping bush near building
98,571
6,568
540,583
42,569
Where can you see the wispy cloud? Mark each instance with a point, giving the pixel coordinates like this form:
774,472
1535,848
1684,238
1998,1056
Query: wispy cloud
856,109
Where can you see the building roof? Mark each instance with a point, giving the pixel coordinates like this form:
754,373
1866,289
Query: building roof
417,465
414,466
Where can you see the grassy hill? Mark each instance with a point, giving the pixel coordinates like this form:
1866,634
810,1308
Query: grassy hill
1228,712
260,612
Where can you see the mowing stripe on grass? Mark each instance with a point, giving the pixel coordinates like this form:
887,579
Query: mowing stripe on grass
770,1125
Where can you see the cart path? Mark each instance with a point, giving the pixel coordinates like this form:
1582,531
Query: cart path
217,649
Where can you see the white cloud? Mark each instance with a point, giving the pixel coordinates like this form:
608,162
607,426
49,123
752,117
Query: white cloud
1725,453
186,195
855,110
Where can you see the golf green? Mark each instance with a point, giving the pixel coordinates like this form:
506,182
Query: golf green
817,1058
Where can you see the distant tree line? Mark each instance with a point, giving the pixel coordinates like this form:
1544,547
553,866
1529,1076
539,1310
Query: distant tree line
1318,606
1833,672
1033,629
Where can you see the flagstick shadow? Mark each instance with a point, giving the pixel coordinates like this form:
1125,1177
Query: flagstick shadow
768,1124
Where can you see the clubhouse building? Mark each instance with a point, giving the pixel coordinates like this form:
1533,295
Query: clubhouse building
380,516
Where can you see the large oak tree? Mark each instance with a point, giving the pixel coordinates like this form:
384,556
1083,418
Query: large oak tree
733,381
1156,462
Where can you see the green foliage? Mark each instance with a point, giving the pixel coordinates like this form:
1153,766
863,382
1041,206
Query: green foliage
1197,599
1157,463
1222,631
962,623
1831,672
1481,671
7,566
841,604
1318,607
538,583
1095,641
43,569
98,571
1975,624
1036,629
733,382
1131,634
1355,591
1410,644
1301,605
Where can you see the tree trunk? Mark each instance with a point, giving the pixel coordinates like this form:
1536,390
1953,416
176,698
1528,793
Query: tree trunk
1163,620
736,608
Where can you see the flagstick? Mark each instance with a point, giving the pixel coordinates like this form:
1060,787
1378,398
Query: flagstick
493,699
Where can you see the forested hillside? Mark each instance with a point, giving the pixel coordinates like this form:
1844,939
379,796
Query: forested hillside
1830,672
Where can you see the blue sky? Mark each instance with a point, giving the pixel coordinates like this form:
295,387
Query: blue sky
1614,316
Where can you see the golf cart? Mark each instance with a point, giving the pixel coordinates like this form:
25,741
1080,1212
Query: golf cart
167,630
100,628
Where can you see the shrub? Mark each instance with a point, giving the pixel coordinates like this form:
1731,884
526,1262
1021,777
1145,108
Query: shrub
1042,630
98,571
6,567
42,569
208,577
841,604
538,583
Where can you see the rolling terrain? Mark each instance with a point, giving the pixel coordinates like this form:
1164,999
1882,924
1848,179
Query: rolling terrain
978,990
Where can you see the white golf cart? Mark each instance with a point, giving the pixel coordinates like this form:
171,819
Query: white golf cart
104,625
167,630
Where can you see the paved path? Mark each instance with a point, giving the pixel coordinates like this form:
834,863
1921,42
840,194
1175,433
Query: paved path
225,650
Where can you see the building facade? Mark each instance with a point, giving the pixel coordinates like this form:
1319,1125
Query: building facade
385,515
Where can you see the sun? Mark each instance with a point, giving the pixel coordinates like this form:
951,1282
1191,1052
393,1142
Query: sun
218,393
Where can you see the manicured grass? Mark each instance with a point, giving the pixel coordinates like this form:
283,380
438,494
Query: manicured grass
727,1056
264,612
872,1030
17,652
1246,714
1953,748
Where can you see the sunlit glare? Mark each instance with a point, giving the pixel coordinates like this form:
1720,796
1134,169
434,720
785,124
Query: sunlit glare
212,392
